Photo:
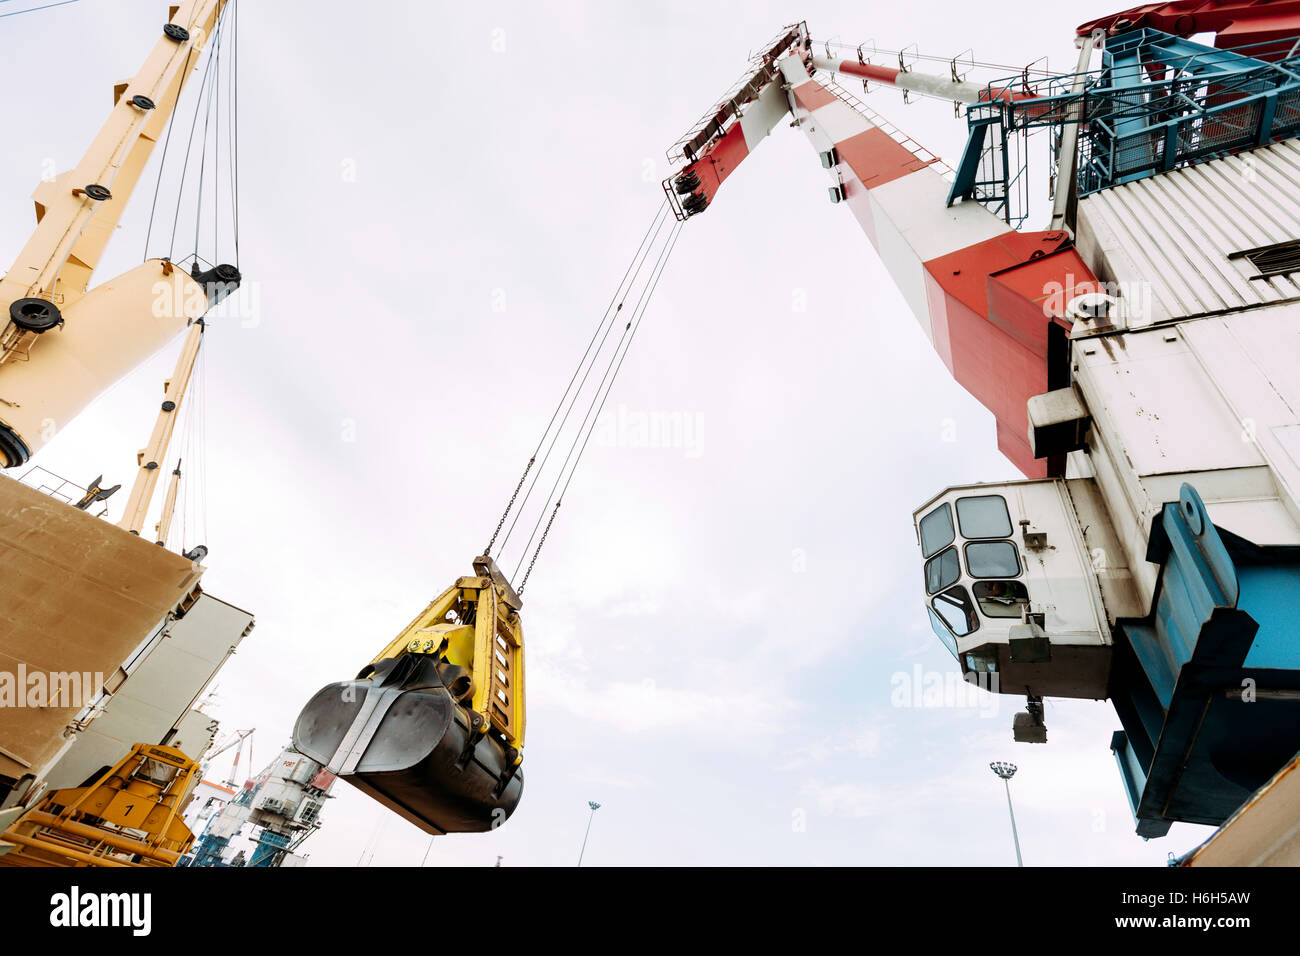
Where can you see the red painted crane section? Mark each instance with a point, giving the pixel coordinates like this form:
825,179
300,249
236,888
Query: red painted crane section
1235,23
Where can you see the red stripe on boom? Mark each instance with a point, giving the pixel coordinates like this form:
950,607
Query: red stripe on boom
877,158
719,160
990,307
868,71
812,95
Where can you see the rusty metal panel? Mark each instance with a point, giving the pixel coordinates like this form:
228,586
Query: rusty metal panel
77,596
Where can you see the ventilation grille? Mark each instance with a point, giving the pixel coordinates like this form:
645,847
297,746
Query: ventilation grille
1279,259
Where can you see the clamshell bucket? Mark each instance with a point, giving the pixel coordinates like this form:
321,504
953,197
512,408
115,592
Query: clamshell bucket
399,736
433,727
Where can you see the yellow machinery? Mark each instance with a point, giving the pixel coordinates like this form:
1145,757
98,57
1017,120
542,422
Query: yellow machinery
131,815
433,727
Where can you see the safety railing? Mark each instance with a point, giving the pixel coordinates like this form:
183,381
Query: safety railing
57,487
714,120
883,124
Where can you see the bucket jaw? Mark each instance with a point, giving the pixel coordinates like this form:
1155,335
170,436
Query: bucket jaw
433,727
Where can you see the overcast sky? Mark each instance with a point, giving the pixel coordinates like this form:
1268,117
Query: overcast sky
437,200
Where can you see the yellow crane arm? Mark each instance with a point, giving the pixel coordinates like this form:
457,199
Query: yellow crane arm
61,346
73,226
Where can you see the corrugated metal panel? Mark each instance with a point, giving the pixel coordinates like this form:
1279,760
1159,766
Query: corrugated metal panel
1167,238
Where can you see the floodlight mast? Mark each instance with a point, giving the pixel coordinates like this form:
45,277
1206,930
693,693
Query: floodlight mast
1006,771
594,807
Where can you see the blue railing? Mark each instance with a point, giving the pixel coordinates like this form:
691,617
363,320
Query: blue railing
1157,102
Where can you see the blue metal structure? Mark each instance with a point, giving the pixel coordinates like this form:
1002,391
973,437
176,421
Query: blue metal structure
1163,101
282,806
1158,102
208,849
1207,687
993,169
207,852
270,848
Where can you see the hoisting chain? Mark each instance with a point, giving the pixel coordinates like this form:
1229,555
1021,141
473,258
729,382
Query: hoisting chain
545,532
510,504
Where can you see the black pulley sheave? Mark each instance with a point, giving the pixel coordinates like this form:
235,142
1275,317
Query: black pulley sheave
30,315
218,282
35,315
686,182
13,450
697,203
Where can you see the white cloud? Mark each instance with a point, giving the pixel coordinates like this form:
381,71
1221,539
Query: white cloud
843,799
647,706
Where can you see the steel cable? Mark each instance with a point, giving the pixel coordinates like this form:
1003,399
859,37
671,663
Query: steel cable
596,407
620,293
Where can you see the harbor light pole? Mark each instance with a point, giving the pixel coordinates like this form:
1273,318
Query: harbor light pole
594,807
1006,771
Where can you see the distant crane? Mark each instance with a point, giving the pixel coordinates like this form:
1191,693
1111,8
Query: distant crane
281,805
236,739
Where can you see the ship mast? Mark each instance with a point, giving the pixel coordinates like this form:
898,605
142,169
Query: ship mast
146,479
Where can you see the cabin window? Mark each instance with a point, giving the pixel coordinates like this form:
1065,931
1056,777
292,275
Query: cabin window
954,607
1000,598
992,559
942,571
941,631
936,530
156,771
984,516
